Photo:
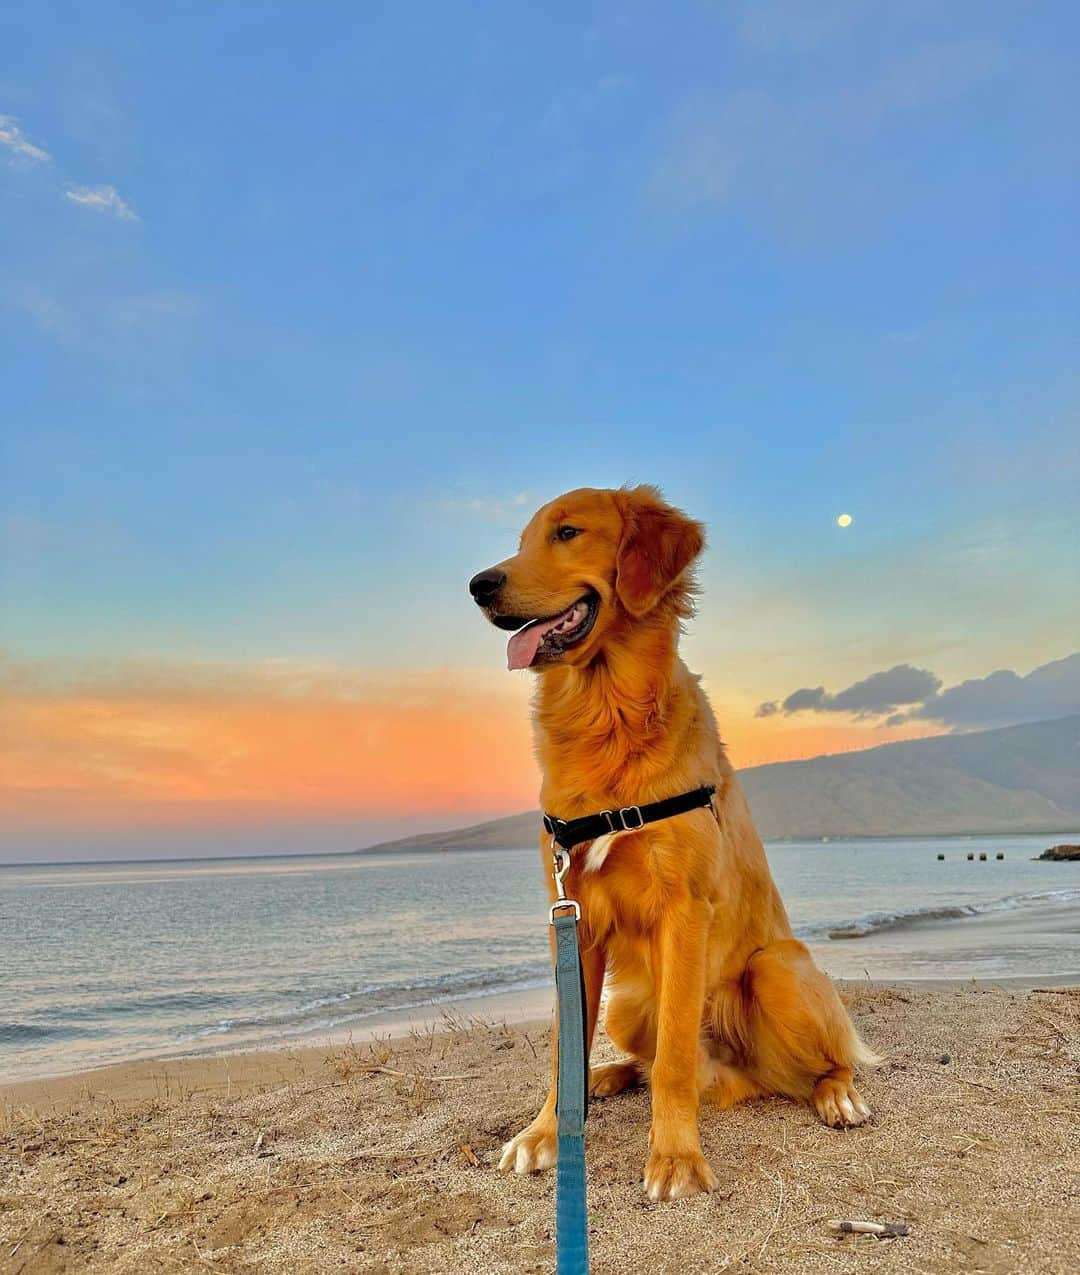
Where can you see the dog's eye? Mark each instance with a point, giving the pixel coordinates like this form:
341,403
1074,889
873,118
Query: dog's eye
567,533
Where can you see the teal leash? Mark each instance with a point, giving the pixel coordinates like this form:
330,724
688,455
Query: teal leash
572,1083
572,1092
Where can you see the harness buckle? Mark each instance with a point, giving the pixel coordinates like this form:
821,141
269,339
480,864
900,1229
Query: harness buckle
609,819
553,826
632,827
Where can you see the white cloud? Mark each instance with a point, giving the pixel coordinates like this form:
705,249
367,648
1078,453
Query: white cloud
808,160
12,136
493,509
106,199
89,314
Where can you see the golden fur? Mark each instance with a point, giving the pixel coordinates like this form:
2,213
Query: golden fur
709,993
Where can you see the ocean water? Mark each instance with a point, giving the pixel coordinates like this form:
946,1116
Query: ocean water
104,962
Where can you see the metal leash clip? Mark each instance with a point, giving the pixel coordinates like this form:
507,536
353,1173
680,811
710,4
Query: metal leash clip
560,867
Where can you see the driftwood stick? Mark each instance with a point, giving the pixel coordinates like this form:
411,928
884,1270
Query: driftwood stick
418,1075
882,1230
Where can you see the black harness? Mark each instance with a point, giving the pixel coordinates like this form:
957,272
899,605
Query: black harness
569,833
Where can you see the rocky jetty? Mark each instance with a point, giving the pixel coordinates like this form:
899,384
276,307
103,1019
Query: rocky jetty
1060,853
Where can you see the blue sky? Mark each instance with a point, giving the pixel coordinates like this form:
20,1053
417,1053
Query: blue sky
304,308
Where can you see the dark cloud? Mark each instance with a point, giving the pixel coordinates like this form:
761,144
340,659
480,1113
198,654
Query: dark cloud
812,698
908,694
879,693
1053,690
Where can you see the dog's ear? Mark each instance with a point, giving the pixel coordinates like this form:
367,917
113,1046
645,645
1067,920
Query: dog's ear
658,543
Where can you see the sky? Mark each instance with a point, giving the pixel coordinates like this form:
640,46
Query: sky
305,309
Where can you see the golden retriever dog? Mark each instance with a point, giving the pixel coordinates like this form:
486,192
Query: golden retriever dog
709,994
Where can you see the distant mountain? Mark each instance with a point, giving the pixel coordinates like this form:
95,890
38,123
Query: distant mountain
497,834
1016,779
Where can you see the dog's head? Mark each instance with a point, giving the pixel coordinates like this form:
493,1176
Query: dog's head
589,563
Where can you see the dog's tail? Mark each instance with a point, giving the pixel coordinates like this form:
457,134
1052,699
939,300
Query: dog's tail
861,1053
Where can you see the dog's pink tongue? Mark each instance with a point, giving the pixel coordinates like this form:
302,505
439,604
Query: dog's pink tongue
521,649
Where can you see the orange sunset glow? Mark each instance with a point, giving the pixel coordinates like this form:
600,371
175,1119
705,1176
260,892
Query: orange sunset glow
174,745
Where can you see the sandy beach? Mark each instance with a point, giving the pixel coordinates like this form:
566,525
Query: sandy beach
379,1156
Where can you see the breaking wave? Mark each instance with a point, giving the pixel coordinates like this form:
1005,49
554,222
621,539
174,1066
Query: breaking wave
878,922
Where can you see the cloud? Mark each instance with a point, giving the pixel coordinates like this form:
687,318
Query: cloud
879,693
88,314
506,511
807,698
807,161
901,684
15,140
1000,699
1052,690
106,199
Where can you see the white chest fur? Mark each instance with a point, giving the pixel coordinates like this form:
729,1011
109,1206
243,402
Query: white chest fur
598,852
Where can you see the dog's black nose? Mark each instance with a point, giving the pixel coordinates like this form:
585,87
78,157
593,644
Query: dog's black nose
485,584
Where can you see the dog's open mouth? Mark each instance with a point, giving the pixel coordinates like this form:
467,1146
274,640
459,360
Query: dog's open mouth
548,639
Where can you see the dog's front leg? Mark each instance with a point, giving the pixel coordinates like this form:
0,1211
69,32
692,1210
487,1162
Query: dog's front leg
536,1146
676,1167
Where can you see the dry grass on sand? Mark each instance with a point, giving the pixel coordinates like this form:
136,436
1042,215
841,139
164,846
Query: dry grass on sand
380,1158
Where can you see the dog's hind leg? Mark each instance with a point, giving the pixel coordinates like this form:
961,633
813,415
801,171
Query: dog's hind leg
837,1101
801,1041
630,1022
630,1019
613,1078
723,1085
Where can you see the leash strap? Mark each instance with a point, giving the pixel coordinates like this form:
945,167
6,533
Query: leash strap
572,832
571,1222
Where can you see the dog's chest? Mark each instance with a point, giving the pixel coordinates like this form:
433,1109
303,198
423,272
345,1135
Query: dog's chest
613,883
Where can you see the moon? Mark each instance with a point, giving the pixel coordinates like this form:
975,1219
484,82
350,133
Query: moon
844,520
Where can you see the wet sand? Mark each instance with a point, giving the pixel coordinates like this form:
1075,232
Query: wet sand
988,946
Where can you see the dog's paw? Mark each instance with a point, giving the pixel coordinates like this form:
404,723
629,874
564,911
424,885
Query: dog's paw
613,1078
839,1103
674,1177
534,1149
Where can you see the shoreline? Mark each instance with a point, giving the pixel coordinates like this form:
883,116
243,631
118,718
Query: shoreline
931,952
532,1008
531,1011
381,1156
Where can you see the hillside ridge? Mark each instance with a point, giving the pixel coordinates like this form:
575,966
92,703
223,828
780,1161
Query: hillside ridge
1023,778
